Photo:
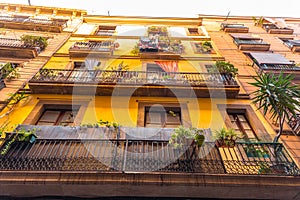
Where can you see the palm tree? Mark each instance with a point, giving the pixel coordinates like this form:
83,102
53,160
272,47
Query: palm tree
276,94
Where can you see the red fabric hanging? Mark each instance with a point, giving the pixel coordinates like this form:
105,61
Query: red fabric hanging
168,66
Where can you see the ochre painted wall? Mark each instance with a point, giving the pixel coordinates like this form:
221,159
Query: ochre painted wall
203,112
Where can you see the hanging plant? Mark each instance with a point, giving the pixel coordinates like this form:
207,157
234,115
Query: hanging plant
21,135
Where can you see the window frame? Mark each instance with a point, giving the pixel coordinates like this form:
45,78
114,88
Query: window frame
185,117
256,124
40,107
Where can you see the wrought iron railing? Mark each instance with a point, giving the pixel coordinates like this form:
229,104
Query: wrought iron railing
279,67
10,42
33,21
250,42
225,25
294,123
95,46
133,77
147,155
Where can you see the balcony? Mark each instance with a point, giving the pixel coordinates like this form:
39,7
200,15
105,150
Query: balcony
274,63
36,24
96,49
234,28
160,47
273,29
80,149
294,45
252,45
15,48
106,82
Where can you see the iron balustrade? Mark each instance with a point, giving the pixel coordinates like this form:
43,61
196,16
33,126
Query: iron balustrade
129,155
252,42
61,23
9,42
225,25
132,77
95,46
292,67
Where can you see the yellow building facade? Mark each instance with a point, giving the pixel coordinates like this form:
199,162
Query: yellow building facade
146,77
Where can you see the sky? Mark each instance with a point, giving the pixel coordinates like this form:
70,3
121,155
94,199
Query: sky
177,8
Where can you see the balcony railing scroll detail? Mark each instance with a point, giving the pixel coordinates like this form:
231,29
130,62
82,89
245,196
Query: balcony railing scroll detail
145,155
132,77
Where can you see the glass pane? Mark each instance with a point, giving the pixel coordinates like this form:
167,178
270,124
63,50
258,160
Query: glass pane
234,126
231,118
241,118
50,116
245,125
153,117
68,117
173,118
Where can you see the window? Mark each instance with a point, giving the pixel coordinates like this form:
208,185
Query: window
105,30
244,119
203,47
81,65
241,124
54,112
154,68
164,115
193,31
57,115
159,116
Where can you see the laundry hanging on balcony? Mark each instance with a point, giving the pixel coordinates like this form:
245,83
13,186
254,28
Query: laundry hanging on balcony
168,66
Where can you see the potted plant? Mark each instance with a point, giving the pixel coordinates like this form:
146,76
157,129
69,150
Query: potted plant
35,41
190,137
256,151
111,128
225,138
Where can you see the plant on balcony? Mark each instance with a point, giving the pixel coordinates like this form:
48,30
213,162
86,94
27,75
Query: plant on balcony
225,138
21,135
185,136
135,50
8,71
256,151
157,29
46,74
35,41
207,46
224,67
192,138
112,127
276,95
258,21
